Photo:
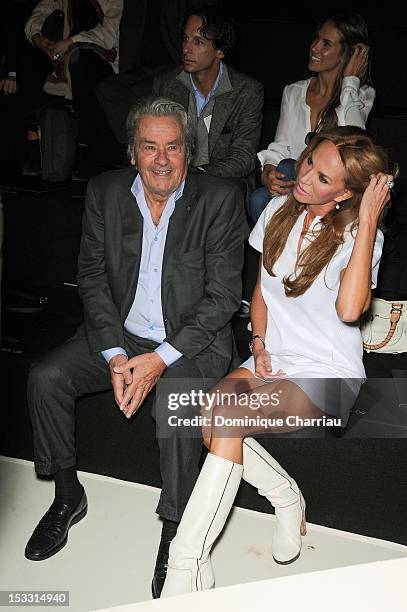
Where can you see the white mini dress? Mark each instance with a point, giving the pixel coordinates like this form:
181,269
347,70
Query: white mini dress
304,335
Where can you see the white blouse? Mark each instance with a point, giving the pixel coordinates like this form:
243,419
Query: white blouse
295,117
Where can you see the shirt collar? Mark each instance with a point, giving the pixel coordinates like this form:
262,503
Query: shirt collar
137,190
214,88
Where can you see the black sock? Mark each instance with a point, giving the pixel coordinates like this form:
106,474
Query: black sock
68,489
169,530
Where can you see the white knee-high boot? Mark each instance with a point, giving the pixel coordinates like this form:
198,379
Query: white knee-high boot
189,564
273,482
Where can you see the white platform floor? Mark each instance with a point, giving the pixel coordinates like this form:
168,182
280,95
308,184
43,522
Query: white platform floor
110,556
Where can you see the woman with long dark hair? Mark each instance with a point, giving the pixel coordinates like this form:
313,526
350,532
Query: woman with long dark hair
320,253
337,91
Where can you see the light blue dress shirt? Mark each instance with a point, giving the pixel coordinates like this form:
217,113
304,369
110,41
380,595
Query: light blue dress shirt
145,318
200,99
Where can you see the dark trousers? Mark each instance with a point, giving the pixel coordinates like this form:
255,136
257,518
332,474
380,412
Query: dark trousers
71,370
87,69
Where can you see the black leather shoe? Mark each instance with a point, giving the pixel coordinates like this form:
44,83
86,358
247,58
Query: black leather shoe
161,564
51,533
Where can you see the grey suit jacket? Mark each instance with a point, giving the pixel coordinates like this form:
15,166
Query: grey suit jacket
201,277
235,128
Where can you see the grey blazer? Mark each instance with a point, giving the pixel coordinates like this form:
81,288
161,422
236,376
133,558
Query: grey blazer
236,122
201,277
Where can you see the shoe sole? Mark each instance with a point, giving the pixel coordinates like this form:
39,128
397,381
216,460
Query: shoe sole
303,532
154,592
289,561
75,519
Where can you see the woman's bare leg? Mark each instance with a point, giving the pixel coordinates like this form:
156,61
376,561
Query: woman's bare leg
238,395
231,448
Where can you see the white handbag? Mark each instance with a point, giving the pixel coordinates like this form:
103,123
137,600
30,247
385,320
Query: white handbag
384,327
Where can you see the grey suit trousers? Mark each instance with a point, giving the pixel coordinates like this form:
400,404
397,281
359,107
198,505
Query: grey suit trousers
71,370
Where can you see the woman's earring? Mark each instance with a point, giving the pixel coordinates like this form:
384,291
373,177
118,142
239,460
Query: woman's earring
337,206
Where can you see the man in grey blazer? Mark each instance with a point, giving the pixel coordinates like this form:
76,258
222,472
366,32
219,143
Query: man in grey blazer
225,105
159,277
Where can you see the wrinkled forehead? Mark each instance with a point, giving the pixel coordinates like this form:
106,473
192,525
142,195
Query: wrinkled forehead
159,129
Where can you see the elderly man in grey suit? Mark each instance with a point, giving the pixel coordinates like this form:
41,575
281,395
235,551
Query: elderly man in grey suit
159,277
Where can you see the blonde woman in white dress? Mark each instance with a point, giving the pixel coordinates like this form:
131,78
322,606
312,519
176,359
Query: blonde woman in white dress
320,254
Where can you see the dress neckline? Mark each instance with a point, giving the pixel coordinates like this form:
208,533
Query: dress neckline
304,232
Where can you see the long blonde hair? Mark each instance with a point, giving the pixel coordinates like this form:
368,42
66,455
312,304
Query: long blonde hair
361,157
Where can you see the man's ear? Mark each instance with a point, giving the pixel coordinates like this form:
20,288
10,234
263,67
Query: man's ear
219,54
345,196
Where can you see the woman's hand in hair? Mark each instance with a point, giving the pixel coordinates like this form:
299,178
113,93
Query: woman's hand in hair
274,181
375,198
358,61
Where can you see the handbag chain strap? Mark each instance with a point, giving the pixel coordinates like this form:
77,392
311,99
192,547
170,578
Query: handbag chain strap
395,314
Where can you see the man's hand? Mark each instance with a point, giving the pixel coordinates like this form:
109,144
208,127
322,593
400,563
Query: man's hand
57,50
119,381
274,181
42,42
144,370
8,85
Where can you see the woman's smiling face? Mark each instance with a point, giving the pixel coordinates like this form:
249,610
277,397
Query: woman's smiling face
326,52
